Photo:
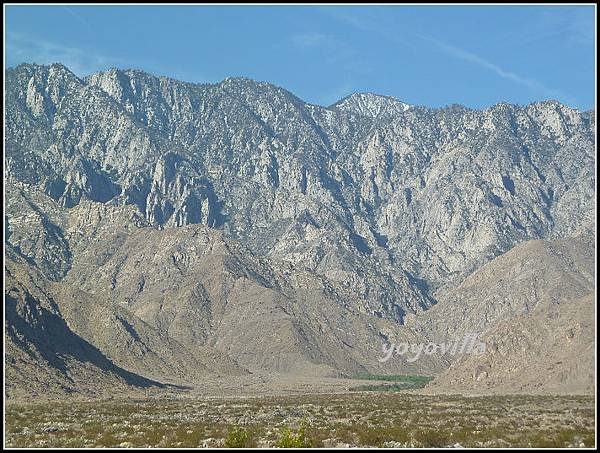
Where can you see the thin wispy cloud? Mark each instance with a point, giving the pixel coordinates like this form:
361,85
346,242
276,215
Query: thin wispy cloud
361,23
79,18
573,27
28,48
370,24
465,55
337,50
21,48
312,39
82,62
76,16
337,53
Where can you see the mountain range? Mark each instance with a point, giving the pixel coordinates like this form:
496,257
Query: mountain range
158,232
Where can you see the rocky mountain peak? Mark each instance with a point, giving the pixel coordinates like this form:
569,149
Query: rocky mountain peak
371,105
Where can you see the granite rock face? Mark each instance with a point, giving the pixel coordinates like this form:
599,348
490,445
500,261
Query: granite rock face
391,205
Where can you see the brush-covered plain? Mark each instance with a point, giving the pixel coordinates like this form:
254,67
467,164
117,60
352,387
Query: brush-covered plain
389,419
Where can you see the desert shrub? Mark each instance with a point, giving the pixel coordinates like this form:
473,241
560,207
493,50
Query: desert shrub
237,438
432,438
294,439
376,436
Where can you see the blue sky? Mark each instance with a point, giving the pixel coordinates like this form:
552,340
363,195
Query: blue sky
430,55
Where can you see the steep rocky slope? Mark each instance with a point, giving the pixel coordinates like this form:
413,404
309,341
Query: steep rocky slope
534,308
368,192
549,351
179,305
232,228
533,274
43,354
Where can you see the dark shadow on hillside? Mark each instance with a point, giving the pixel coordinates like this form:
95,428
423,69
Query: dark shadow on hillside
32,327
